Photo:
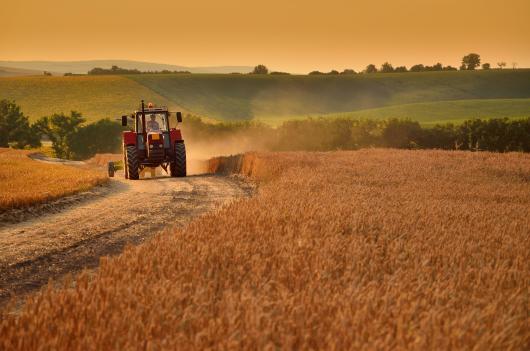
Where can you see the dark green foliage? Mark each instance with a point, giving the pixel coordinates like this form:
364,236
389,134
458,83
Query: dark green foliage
417,68
439,137
15,129
434,68
386,68
370,69
118,70
495,135
61,130
401,134
102,136
324,134
260,69
348,71
73,140
471,61
112,70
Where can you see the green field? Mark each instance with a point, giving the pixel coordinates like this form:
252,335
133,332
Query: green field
431,113
429,97
96,97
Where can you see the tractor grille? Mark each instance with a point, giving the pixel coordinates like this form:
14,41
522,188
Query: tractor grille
156,155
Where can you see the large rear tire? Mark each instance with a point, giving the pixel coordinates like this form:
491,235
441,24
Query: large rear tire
178,166
132,164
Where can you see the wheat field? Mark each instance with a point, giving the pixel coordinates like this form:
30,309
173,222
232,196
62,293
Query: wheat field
24,182
372,249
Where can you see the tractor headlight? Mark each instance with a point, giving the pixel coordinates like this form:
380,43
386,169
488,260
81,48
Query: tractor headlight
150,146
160,145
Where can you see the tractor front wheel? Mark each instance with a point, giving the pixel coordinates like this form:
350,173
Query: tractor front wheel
178,166
131,165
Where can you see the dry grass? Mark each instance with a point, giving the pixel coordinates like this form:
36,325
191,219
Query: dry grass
375,249
24,182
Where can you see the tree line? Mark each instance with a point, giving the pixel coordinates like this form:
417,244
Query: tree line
115,70
72,138
470,62
328,134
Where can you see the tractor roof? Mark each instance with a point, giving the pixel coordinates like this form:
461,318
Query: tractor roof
154,109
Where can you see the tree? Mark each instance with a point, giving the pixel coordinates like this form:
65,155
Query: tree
450,68
333,72
260,69
371,68
402,134
61,129
501,64
315,73
15,129
348,71
437,67
514,65
386,68
471,61
400,69
417,68
486,66
103,136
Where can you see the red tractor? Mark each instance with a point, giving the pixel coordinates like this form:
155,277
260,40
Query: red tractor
153,143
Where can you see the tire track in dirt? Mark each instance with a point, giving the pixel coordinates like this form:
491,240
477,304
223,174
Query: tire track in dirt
128,212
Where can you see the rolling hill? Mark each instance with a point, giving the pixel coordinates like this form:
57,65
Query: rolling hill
96,97
436,112
16,72
82,67
427,97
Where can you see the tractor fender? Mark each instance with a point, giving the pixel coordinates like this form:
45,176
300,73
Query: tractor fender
129,138
175,135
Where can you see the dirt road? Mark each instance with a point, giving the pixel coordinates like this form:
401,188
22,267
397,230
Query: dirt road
54,244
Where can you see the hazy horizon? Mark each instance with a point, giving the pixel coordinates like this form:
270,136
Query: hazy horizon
295,37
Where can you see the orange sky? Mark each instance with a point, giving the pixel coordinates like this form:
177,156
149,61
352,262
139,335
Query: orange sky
291,35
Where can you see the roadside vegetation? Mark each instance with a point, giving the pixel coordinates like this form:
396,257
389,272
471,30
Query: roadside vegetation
329,134
72,138
24,182
372,249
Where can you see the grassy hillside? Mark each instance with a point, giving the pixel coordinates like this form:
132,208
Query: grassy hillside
96,97
16,72
82,67
431,113
428,96
245,97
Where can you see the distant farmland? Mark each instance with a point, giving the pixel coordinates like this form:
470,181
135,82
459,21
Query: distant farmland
427,97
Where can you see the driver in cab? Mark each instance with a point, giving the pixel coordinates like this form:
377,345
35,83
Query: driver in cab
152,125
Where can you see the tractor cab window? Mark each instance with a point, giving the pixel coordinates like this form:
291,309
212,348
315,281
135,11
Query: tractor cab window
155,122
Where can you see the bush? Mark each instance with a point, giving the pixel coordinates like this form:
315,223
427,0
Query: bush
103,136
15,129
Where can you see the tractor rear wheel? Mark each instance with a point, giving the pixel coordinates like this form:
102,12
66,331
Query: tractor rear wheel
178,166
132,163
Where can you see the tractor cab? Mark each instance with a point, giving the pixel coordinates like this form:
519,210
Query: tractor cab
153,142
